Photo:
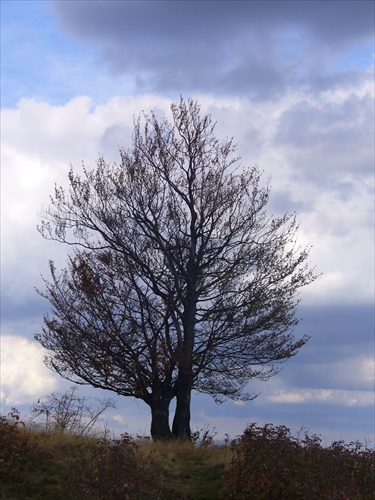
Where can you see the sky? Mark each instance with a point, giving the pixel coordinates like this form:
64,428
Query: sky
292,82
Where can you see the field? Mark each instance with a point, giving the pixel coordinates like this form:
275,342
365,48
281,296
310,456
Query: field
265,463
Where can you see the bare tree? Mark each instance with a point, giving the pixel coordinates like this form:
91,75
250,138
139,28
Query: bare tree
67,412
181,226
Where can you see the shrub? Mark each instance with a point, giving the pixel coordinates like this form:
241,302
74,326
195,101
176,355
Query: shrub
114,469
15,446
67,412
269,463
54,464
204,437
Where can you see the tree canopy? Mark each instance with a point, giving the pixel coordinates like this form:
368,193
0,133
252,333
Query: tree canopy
179,279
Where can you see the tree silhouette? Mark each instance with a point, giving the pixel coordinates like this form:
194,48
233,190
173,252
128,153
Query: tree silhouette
180,280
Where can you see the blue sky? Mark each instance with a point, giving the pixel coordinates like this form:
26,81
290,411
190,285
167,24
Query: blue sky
293,82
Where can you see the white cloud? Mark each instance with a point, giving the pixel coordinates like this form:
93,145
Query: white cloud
326,396
39,141
23,374
135,418
287,397
118,419
344,382
355,373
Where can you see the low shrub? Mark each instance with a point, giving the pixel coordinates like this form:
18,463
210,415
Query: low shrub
15,446
38,464
114,469
267,462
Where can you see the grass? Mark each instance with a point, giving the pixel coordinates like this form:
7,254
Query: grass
266,462
189,471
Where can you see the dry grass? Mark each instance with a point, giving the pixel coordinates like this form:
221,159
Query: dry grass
45,465
188,471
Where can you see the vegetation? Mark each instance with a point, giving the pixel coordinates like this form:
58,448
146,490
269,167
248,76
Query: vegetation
58,465
269,463
68,412
179,278
264,463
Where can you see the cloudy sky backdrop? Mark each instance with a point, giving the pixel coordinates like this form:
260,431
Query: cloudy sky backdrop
293,82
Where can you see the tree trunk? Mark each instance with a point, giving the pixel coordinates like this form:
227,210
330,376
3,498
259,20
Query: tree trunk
160,429
181,421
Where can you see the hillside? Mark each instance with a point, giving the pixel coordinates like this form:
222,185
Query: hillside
266,462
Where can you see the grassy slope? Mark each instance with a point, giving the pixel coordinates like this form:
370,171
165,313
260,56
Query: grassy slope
266,463
57,466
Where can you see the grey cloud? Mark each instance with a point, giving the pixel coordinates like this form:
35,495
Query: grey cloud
284,198
322,137
335,421
332,421
189,20
32,307
336,330
307,122
337,333
323,80
342,375
256,48
113,139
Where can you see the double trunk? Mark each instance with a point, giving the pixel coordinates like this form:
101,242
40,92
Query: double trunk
182,389
160,429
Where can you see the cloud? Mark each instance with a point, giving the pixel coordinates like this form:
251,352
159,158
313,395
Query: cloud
253,48
191,21
331,414
338,381
356,373
23,374
118,419
40,141
262,50
318,133
326,396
